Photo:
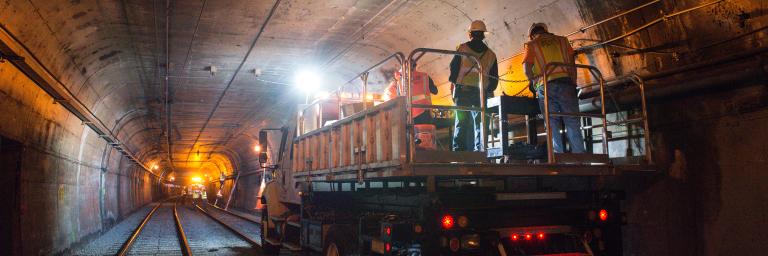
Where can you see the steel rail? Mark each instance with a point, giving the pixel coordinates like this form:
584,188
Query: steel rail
185,250
227,226
129,243
235,214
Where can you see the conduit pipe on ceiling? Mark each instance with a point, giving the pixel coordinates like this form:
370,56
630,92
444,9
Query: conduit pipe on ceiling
30,65
234,76
745,71
647,25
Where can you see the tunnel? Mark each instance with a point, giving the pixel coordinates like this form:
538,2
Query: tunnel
219,127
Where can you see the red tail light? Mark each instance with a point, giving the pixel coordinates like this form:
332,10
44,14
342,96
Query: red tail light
528,236
603,215
454,244
515,237
540,236
447,222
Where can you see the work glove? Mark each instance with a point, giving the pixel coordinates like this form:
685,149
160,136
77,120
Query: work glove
531,88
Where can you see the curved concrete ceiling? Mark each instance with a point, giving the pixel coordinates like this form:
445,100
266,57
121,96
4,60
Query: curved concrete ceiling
211,73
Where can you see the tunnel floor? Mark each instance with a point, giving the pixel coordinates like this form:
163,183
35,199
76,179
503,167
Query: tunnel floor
205,235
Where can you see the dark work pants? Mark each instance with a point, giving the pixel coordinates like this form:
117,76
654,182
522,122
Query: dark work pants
466,134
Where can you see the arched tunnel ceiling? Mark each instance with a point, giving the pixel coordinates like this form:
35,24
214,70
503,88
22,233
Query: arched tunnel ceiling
125,56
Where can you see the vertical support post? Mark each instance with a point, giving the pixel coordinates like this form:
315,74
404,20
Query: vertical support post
483,122
364,77
599,76
531,132
409,129
550,148
647,131
234,184
503,127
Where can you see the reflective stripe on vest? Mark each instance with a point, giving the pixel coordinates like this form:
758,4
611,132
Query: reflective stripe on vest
549,48
469,74
420,91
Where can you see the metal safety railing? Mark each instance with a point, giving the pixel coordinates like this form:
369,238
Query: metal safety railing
399,57
640,83
415,55
547,114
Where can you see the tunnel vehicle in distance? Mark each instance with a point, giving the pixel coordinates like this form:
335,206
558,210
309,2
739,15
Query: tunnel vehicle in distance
352,178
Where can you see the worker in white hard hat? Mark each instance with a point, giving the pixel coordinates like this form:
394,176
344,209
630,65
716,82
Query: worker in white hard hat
465,78
543,48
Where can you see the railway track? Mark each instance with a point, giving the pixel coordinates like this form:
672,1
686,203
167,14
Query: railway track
173,228
247,228
153,234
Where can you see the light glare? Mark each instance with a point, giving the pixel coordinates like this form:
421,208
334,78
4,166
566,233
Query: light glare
308,80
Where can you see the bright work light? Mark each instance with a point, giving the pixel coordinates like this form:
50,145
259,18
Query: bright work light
308,80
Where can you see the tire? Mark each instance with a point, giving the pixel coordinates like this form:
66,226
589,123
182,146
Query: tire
339,242
266,247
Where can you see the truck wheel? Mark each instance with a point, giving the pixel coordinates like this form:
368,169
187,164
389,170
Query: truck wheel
266,247
338,243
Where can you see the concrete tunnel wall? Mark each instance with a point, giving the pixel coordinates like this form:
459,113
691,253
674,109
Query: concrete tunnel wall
66,192
73,185
708,199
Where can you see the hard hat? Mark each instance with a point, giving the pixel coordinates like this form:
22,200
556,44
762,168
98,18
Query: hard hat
537,25
477,25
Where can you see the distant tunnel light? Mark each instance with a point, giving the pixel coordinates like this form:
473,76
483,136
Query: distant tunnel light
196,179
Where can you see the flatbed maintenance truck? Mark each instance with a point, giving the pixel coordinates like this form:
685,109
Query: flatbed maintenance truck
354,177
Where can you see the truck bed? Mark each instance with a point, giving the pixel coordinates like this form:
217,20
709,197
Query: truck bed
372,144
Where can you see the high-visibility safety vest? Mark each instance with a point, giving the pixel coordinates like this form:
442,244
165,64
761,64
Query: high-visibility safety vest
547,48
419,90
469,73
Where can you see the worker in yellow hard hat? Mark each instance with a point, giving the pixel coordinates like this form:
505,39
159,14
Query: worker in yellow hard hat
465,78
543,48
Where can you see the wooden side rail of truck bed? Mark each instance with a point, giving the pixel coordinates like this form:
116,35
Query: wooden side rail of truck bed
372,144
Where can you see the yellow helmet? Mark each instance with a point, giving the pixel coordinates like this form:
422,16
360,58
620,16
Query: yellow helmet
477,25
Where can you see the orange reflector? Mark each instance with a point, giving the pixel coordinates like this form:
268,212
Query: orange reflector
447,222
603,215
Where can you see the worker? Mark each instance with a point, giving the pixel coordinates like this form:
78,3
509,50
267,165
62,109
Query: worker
543,48
195,196
419,82
203,198
183,195
465,78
